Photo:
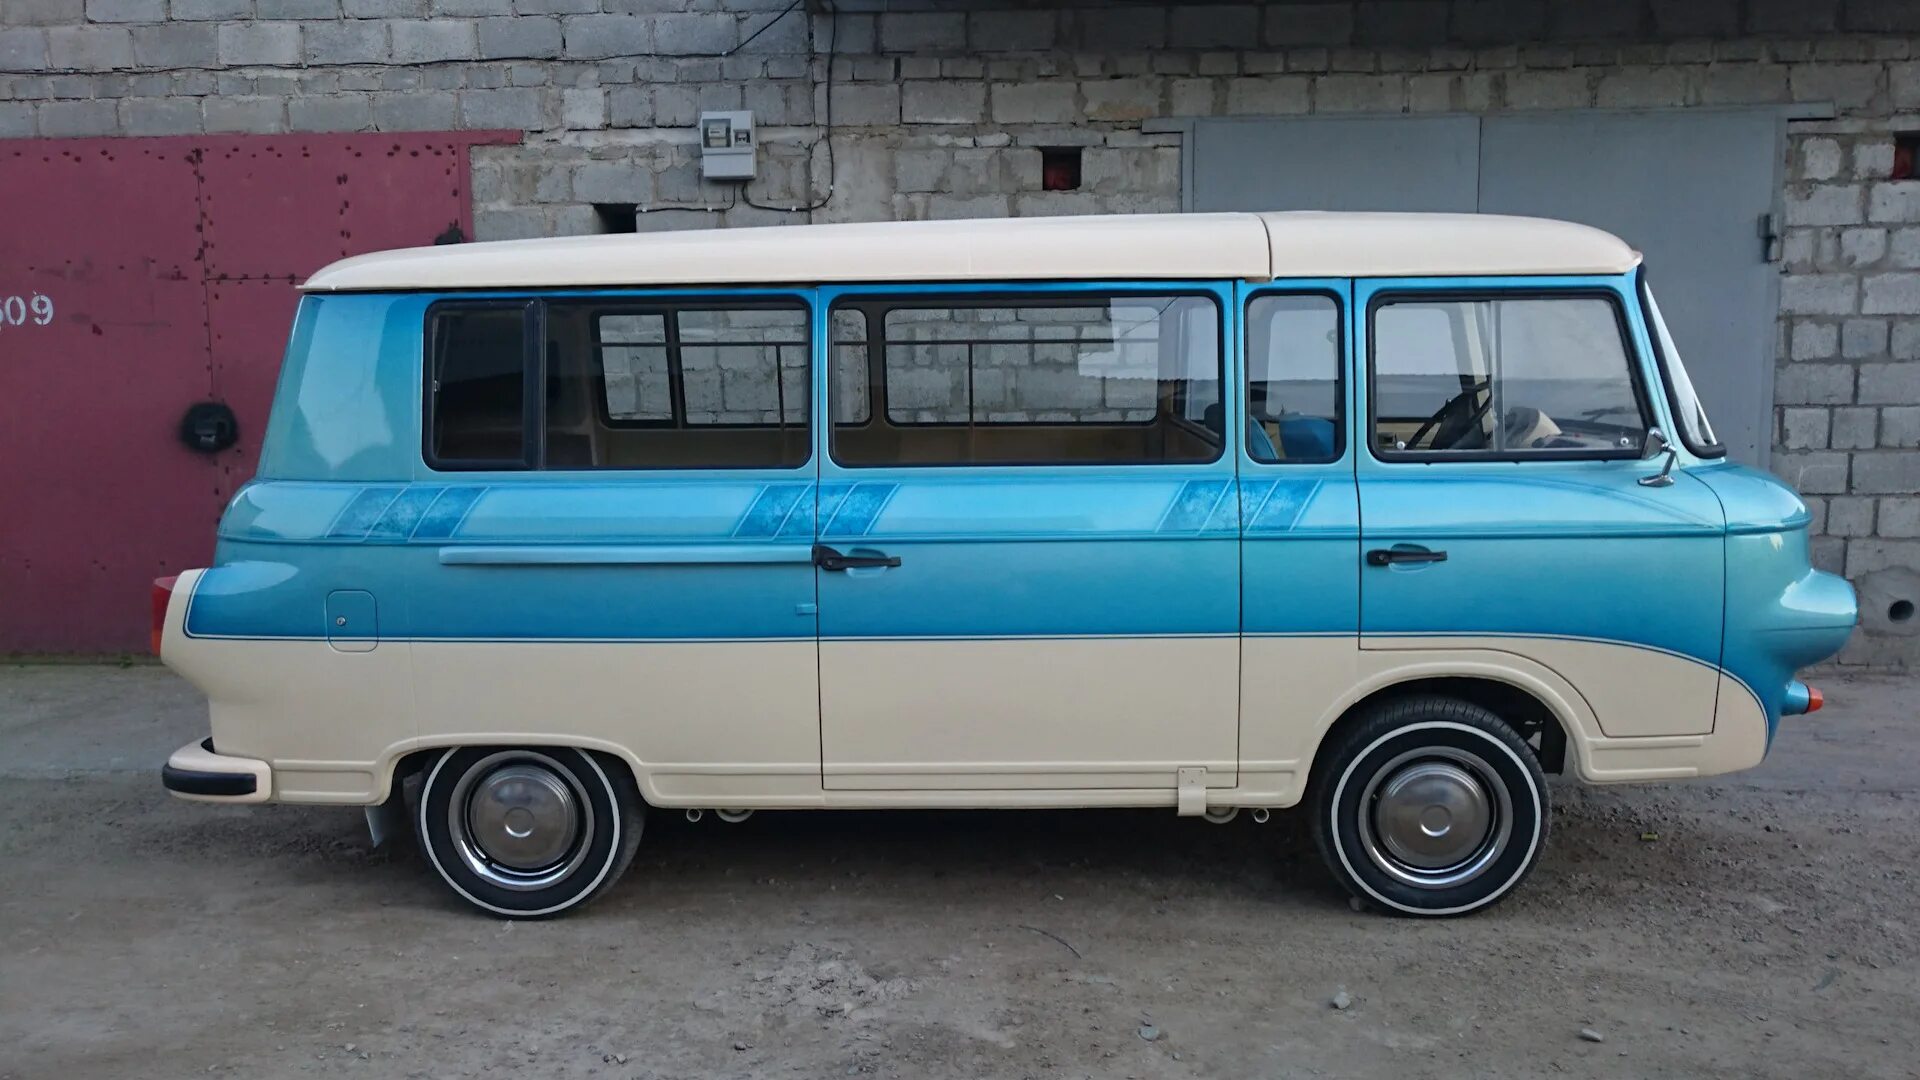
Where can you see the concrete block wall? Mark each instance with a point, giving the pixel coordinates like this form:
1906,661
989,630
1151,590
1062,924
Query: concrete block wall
941,109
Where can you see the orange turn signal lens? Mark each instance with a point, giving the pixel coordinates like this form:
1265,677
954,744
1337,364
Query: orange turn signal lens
1815,699
162,594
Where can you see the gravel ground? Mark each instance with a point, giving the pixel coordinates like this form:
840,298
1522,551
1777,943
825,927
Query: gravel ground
1756,925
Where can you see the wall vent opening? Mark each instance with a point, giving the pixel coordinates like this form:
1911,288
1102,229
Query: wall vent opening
1060,168
616,217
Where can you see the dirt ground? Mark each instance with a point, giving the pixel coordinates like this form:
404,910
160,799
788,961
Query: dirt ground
1771,929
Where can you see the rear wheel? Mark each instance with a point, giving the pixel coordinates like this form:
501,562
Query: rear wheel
1429,806
527,832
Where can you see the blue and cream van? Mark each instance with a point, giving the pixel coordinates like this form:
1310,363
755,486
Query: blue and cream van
1389,515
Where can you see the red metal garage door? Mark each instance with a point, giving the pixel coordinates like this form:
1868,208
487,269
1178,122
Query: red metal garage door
137,278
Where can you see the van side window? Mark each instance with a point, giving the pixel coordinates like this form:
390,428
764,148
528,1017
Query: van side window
1504,376
1058,380
477,387
1294,388
659,386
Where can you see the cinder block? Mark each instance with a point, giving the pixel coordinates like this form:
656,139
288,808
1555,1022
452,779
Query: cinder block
695,34
330,112
535,36
159,116
1214,26
472,8
597,37
612,182
1359,93
1849,515
1015,31
1274,96
1122,99
351,41
1813,472
1814,384
381,9
16,120
296,9
417,110
923,31
90,48
251,115
521,108
1897,383
1818,294
1642,88
1854,428
1886,472
77,119
23,50
1862,338
866,104
259,44
1804,428
418,41
1291,25
1034,103
1891,294
1814,340
937,102
43,13
128,11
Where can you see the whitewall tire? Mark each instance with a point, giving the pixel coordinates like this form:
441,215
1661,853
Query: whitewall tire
1429,806
528,832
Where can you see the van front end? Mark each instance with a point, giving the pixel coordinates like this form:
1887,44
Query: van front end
1782,614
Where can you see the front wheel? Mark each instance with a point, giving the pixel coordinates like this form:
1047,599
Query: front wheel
1429,806
527,832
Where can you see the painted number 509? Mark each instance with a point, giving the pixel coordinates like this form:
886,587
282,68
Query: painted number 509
18,310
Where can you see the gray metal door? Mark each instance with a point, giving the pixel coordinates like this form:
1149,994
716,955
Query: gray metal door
1425,163
1687,187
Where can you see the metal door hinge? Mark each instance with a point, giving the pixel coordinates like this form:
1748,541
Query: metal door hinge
1769,231
1192,792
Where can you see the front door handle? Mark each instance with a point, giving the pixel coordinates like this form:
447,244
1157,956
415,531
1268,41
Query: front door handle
827,558
1395,556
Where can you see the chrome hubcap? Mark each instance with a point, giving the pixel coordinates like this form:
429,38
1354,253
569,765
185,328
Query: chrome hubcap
521,820
1435,818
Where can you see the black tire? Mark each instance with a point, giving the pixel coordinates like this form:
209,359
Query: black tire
1431,741
594,793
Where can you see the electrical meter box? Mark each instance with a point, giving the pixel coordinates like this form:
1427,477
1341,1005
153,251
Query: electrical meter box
726,145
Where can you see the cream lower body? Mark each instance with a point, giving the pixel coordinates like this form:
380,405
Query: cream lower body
1023,723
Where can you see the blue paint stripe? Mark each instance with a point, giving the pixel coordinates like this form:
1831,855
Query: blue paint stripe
363,513
442,519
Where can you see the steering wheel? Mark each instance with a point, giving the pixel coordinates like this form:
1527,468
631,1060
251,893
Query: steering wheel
1455,418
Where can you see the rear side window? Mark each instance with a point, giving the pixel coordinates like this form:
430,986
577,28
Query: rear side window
693,386
1060,380
1294,390
617,384
1506,376
477,399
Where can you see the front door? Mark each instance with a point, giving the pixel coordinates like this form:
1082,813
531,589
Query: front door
1501,499
1028,540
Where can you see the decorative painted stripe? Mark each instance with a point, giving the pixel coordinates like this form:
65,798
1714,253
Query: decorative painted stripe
626,555
771,511
403,514
1276,506
442,519
363,513
855,509
1194,505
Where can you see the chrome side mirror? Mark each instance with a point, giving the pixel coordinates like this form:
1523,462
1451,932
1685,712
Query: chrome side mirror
1656,444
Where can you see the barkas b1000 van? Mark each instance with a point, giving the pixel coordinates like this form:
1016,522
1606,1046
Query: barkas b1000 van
1387,514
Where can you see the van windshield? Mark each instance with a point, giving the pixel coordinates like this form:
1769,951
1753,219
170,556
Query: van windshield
1695,431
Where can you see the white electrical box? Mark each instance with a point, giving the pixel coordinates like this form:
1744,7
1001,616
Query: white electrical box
726,145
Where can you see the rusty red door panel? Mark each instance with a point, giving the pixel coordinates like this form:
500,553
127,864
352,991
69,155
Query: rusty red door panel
166,269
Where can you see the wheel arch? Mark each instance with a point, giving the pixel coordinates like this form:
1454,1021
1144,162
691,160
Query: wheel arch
1526,707
401,764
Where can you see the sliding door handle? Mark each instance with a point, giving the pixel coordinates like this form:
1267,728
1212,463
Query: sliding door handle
827,558
1398,555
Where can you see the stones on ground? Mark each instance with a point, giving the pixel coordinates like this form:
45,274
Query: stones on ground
739,1044
1149,1033
1342,1000
1592,1036
1354,903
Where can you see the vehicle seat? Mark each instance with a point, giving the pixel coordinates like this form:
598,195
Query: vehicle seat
1306,437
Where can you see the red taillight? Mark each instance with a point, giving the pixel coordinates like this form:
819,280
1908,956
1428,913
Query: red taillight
162,592
1815,699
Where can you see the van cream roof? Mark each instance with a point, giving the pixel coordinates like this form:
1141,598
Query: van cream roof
1254,247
